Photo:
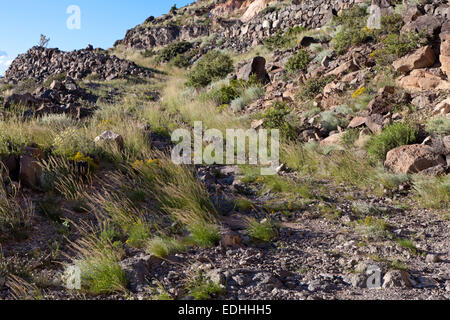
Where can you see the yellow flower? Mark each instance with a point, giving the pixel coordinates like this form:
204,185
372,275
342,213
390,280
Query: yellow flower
80,157
138,164
358,92
150,162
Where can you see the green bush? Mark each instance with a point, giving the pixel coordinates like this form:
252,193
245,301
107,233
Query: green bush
173,50
392,23
349,137
314,86
353,29
299,62
276,117
284,40
393,136
214,65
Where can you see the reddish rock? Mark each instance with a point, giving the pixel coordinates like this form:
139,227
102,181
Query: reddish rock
421,58
412,159
357,122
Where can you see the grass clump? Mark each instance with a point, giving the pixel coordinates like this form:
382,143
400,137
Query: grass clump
374,228
204,235
438,125
284,40
98,261
432,192
162,247
264,231
202,287
15,218
393,136
299,62
214,65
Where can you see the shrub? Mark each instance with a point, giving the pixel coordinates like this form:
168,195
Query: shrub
314,86
349,137
276,117
173,50
392,23
393,136
181,61
224,95
213,66
329,120
299,62
397,45
283,40
353,30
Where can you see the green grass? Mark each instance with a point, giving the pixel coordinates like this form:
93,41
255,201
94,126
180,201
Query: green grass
438,125
432,192
162,247
408,244
265,231
204,235
393,136
373,228
202,288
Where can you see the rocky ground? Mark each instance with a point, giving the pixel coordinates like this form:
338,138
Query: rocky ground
330,224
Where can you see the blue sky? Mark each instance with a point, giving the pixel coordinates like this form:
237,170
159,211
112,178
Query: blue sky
102,23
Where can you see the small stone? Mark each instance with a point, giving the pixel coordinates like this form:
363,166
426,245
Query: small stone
432,258
110,136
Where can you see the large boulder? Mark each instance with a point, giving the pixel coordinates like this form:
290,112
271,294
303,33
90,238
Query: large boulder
421,58
24,100
254,9
421,80
445,53
428,23
442,108
110,137
30,168
413,159
255,67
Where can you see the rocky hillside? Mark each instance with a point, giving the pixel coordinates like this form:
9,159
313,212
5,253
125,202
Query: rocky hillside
362,190
259,20
41,63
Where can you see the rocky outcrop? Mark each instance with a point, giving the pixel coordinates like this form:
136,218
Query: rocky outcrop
41,63
421,58
63,96
254,9
238,35
413,159
445,52
421,79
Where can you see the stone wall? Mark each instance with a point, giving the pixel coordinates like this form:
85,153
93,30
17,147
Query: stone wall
309,13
